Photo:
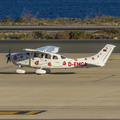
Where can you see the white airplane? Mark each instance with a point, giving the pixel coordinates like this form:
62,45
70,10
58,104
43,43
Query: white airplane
45,58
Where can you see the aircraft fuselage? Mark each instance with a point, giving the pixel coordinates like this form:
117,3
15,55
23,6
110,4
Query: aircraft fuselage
44,61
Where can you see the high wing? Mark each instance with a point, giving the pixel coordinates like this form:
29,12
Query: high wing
45,49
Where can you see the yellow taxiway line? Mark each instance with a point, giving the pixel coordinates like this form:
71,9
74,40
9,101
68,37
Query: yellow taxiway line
20,112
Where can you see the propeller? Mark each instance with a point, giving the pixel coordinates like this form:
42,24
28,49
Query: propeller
8,56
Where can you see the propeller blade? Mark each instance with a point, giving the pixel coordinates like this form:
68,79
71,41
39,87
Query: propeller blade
8,59
9,50
8,56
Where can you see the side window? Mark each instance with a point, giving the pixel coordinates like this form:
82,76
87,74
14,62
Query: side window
63,57
36,54
55,57
48,56
40,55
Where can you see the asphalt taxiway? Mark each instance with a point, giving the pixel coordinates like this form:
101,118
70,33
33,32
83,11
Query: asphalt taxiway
78,93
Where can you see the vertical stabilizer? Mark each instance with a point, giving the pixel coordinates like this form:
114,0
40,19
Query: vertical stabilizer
103,55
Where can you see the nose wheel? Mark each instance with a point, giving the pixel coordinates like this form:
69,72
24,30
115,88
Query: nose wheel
20,71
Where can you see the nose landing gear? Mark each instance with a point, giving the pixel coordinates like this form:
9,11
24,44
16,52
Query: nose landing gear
20,71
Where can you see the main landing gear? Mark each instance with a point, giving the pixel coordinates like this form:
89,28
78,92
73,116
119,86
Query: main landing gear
42,71
38,71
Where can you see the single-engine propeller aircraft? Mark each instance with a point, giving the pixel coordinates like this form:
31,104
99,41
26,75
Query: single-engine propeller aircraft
45,58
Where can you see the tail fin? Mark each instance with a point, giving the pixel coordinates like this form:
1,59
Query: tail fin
102,56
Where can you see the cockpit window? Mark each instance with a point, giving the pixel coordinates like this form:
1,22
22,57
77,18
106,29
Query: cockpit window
27,53
38,55
63,57
55,57
48,56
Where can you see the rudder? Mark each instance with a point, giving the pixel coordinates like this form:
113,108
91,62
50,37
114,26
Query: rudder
104,54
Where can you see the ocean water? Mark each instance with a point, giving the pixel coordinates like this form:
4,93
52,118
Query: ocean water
59,8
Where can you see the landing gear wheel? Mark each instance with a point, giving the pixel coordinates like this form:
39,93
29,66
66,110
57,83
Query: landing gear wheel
47,71
40,71
19,71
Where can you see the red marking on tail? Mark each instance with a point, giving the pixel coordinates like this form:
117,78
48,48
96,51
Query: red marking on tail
104,50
